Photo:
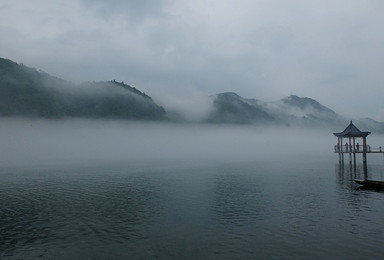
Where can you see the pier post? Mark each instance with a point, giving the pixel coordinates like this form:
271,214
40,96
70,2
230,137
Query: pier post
365,169
364,157
340,150
364,152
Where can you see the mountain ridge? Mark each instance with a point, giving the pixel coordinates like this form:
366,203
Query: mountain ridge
293,111
29,92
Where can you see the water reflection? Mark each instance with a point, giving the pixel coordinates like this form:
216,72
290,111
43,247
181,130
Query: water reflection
359,210
354,196
347,173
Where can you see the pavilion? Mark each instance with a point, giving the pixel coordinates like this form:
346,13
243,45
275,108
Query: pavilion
351,132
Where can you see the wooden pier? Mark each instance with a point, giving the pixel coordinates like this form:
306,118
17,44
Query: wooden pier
354,149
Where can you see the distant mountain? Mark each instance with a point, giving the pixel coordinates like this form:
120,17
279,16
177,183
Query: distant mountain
293,110
289,111
230,108
26,91
302,111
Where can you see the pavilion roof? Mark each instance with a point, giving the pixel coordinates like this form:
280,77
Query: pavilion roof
352,131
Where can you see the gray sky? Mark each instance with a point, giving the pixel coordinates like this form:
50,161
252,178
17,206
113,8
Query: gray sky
330,50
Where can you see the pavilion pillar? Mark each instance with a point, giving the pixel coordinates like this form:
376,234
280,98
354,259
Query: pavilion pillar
350,151
341,150
364,151
338,149
354,151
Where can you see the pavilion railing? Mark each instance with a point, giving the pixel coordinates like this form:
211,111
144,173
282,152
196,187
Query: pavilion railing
377,149
357,149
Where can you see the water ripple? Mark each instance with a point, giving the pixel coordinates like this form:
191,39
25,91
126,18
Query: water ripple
187,213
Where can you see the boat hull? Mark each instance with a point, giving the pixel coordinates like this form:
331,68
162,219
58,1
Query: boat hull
370,184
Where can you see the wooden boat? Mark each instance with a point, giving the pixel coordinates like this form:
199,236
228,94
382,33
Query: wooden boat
370,184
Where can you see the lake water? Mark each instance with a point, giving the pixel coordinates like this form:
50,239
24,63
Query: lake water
238,210
230,199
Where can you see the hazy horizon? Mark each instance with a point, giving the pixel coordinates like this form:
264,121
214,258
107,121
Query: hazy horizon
80,141
40,142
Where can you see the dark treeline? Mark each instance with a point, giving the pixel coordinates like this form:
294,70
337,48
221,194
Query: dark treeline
28,92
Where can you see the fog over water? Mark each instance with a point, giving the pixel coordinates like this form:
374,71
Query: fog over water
43,142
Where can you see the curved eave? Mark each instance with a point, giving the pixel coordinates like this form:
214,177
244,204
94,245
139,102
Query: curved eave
362,134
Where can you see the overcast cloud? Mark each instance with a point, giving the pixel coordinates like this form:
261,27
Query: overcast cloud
331,51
